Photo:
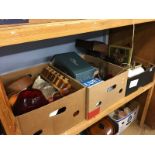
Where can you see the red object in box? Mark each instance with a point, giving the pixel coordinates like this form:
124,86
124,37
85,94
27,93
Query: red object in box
29,100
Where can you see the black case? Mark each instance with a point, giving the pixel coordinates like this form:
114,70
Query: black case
143,79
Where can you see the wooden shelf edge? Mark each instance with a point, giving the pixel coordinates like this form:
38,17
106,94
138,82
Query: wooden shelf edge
12,35
86,123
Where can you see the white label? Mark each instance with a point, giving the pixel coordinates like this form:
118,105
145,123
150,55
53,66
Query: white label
133,83
54,113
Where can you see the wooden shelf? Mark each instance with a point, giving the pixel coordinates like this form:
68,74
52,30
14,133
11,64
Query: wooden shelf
46,29
86,123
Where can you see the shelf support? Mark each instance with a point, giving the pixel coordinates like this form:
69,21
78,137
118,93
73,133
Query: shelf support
146,105
8,120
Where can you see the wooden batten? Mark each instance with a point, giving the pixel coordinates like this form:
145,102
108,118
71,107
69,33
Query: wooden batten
11,35
8,120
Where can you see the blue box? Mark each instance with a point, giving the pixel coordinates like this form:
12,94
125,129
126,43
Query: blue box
13,21
91,82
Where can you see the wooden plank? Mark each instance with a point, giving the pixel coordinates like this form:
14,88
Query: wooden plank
35,32
8,120
144,41
36,21
146,105
86,123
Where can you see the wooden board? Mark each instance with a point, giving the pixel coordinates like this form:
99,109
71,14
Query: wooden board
34,32
37,21
8,120
146,106
86,123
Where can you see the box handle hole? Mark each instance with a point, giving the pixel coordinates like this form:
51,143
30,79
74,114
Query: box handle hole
129,119
101,126
57,112
39,132
98,103
76,113
120,91
30,75
111,88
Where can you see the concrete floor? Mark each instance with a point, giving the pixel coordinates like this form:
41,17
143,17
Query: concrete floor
134,129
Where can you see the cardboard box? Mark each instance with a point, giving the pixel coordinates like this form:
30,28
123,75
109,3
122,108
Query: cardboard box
142,79
125,122
41,120
103,94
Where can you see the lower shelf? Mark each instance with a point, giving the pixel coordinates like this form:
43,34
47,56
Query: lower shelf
86,123
135,129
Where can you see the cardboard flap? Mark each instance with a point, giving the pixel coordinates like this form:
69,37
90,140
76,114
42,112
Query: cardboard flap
144,63
97,62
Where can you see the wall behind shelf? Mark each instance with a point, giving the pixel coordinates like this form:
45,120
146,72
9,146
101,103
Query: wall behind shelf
28,54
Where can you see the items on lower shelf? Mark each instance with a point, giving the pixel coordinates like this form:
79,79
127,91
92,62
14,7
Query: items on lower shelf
105,126
116,122
125,115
